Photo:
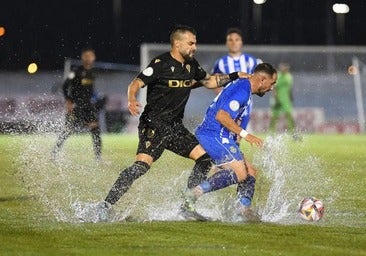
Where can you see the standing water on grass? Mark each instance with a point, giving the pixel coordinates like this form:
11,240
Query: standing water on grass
71,188
292,174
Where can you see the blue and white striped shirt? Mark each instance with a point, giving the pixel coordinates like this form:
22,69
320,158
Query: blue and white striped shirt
227,64
244,63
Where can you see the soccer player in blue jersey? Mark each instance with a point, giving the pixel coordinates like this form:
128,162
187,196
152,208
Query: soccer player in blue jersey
218,133
236,60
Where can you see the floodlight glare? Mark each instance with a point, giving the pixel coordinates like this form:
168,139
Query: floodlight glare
340,8
2,31
259,1
32,68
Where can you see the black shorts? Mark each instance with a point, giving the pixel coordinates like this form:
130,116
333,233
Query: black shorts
81,117
153,140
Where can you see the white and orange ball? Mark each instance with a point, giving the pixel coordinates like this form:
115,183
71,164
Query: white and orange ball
311,209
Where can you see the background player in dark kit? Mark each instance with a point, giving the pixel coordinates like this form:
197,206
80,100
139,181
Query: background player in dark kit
79,91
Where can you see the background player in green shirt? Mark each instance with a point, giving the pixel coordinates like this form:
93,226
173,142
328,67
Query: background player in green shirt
282,100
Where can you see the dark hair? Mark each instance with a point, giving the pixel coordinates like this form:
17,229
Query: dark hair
180,29
234,30
87,49
266,68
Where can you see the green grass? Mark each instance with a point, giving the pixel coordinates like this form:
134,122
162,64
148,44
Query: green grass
31,188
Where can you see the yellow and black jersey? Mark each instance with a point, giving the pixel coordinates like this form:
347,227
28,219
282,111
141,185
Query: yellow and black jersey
79,86
169,83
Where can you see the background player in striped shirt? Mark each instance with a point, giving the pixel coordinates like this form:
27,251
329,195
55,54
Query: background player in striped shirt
235,60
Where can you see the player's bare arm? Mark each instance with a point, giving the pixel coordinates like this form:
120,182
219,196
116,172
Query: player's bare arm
225,119
220,80
69,105
133,105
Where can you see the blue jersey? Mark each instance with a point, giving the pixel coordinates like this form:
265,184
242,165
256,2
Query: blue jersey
236,100
245,63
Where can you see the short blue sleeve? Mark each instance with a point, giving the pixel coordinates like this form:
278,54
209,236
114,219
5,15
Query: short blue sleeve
235,96
216,69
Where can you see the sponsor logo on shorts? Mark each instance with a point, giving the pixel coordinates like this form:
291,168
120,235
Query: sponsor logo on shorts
147,144
233,149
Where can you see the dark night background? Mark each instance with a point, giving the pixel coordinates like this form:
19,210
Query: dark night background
49,31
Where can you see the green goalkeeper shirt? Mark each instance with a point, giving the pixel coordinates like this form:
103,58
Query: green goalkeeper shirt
284,88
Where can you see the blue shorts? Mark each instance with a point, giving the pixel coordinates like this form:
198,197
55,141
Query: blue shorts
221,149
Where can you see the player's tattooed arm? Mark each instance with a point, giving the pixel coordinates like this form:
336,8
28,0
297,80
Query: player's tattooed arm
215,81
221,80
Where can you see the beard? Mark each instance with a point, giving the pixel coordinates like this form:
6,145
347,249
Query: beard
261,94
188,56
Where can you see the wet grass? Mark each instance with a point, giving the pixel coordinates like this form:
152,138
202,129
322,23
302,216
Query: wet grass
26,228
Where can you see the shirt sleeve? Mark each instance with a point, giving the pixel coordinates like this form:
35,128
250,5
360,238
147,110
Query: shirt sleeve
290,80
151,73
246,117
245,121
67,86
216,69
200,72
254,65
232,102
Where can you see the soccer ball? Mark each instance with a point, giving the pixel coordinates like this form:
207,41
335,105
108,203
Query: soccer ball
311,209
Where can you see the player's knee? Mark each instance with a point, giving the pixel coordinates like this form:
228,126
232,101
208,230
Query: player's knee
197,152
252,172
241,174
95,130
93,126
250,169
146,158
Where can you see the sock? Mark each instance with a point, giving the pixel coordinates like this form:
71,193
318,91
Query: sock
97,142
219,180
199,171
125,180
246,190
65,133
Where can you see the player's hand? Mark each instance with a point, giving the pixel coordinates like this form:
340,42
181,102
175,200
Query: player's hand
134,107
69,106
254,140
244,75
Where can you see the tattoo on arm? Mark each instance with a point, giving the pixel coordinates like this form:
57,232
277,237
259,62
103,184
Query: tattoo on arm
222,80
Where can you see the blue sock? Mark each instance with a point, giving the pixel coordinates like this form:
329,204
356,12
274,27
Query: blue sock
246,190
219,180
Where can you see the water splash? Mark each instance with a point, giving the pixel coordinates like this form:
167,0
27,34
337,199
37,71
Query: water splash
277,204
70,189
292,174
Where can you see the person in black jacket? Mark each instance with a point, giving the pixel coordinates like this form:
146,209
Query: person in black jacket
79,91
